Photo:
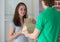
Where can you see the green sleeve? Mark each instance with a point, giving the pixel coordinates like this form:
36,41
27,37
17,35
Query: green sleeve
39,22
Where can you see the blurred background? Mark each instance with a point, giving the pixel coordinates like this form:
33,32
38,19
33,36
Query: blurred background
7,8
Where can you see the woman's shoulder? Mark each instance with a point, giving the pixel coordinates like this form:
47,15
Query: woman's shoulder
12,24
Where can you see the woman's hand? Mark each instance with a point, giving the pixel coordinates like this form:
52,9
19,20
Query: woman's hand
24,28
25,33
20,32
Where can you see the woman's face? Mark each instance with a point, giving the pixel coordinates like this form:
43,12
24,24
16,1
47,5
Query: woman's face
22,10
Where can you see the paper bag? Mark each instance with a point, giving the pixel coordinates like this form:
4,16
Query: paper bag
29,25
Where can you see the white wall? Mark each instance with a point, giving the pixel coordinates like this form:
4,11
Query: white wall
2,13
36,8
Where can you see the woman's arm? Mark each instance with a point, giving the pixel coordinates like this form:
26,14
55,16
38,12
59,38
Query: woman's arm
12,35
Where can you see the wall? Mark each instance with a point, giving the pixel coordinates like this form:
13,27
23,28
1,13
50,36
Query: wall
2,27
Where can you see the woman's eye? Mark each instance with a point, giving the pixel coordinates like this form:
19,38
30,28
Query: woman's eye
22,9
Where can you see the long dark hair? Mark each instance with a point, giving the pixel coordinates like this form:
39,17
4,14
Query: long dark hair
16,19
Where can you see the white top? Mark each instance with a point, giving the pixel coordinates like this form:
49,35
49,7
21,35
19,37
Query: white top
21,38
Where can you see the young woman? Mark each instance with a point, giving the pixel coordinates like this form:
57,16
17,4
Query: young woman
17,24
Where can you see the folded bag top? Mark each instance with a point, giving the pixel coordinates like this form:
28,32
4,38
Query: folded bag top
30,26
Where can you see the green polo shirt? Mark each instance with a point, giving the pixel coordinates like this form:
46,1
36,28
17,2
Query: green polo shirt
48,22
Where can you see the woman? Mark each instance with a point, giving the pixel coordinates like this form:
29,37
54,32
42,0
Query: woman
17,24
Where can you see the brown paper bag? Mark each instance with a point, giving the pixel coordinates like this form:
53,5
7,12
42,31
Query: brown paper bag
28,25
